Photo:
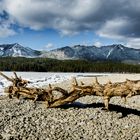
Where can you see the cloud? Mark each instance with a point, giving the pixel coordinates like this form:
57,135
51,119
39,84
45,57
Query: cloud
98,44
49,46
5,32
113,28
5,25
119,28
133,43
108,18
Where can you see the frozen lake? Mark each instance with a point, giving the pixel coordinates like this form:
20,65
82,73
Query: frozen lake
39,79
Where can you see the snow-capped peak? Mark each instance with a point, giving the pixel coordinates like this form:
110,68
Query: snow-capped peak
16,50
121,47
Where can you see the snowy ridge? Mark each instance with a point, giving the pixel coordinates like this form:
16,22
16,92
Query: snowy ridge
16,50
110,52
121,47
113,49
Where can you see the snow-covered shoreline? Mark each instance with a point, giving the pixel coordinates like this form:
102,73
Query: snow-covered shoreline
40,79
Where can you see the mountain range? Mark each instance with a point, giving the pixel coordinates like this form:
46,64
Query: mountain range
115,52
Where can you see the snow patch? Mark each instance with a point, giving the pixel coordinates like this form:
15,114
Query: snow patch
109,53
16,52
1,49
36,79
40,79
121,47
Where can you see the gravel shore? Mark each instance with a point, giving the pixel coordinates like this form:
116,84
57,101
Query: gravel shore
83,119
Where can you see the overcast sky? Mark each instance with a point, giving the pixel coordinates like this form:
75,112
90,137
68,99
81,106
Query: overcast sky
47,24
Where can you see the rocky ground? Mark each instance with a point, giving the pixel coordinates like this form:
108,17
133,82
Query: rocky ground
85,119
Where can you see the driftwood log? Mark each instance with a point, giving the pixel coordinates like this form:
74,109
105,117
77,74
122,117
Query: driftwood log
125,90
19,88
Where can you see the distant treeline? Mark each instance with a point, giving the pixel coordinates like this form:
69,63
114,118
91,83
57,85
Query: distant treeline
52,65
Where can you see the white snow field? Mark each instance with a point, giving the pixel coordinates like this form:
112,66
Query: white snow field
40,79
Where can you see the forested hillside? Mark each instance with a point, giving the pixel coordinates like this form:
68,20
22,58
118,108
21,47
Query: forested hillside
52,65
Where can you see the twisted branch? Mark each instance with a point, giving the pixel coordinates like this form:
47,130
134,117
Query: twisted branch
19,88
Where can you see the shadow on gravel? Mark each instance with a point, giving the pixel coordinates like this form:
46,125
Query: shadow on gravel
119,109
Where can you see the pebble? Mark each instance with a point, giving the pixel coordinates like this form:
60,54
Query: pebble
36,122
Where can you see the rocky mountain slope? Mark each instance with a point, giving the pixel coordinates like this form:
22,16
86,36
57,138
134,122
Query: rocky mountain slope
111,52
16,50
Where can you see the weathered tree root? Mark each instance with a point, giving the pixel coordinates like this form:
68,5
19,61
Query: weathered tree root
125,90
19,88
